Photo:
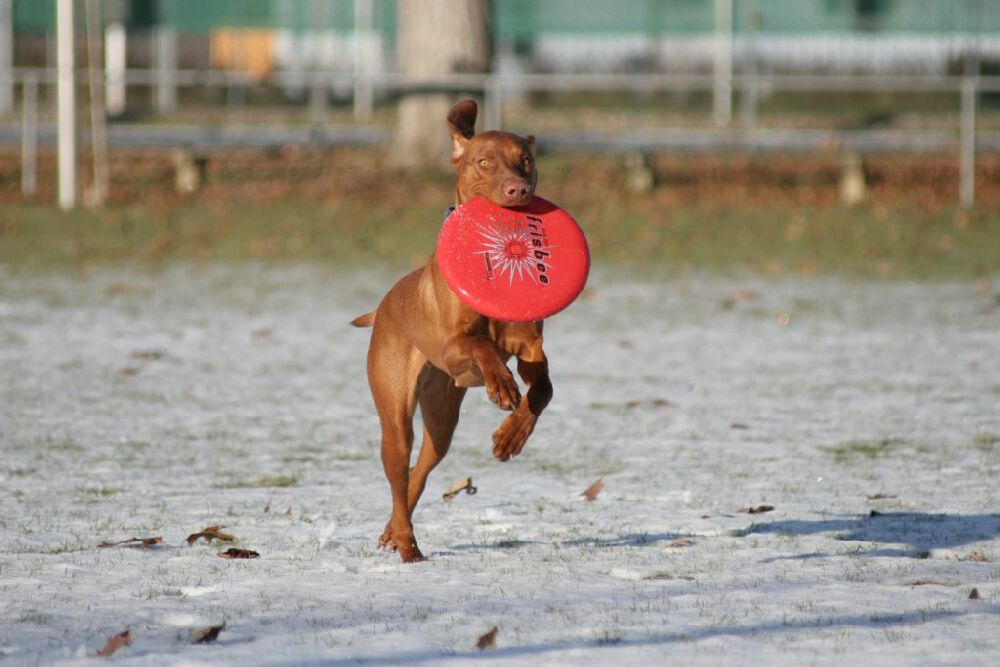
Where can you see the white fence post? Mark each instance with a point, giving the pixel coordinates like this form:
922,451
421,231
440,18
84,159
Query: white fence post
6,57
751,19
66,106
98,190
115,50
165,59
363,45
29,135
722,97
967,184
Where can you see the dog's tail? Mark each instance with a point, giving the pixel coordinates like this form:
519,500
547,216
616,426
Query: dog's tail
365,320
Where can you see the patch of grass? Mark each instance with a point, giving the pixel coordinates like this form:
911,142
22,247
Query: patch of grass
21,472
233,484
262,481
986,442
137,445
280,481
43,237
35,616
787,240
64,446
100,491
64,548
903,242
299,459
350,456
855,450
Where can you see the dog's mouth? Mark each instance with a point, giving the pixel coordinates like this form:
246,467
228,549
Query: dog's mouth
522,197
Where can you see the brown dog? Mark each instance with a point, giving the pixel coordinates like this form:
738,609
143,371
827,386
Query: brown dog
427,347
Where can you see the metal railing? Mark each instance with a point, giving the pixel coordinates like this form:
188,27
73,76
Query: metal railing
496,88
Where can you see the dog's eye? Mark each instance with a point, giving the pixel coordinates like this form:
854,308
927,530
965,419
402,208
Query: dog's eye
485,164
526,163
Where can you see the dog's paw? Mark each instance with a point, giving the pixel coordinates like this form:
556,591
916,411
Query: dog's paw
510,438
411,554
502,389
407,548
385,541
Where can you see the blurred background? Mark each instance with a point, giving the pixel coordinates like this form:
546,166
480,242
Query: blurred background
785,135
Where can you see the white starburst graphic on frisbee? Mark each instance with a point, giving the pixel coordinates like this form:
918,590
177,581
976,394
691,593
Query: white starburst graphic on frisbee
510,248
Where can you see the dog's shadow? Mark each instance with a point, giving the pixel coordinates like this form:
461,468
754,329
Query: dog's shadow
500,545
907,534
634,540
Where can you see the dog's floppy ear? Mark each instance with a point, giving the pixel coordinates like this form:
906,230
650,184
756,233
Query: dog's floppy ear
462,123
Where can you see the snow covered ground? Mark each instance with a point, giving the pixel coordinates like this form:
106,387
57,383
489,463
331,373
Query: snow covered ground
140,404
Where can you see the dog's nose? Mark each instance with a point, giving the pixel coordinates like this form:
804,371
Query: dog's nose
516,190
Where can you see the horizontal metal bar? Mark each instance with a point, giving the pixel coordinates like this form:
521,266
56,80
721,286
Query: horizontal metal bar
217,137
764,141
544,82
674,140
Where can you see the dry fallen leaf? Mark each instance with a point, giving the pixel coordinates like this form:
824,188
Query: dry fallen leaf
928,582
238,553
488,640
211,533
134,543
593,490
116,642
288,512
681,542
977,557
463,484
880,496
207,635
974,594
755,509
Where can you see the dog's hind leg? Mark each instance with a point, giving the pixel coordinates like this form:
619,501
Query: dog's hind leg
440,402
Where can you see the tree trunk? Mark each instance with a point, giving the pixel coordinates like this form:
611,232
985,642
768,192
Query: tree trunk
435,37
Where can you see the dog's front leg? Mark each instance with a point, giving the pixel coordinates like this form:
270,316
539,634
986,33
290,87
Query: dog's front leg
478,358
533,367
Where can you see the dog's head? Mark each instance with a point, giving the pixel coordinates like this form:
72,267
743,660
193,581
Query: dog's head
499,166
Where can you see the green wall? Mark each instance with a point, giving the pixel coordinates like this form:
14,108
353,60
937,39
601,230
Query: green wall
524,19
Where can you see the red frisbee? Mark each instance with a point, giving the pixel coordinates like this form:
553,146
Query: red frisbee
513,264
